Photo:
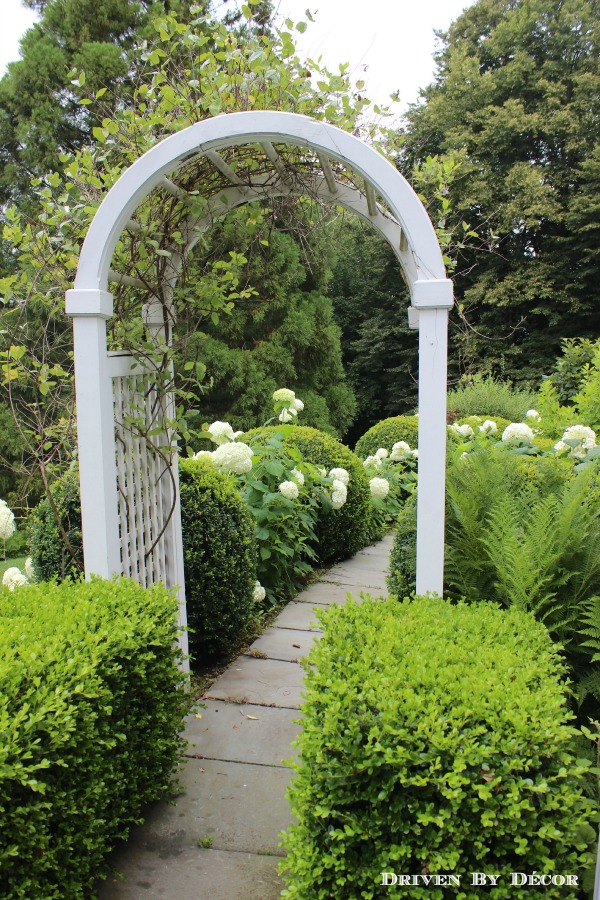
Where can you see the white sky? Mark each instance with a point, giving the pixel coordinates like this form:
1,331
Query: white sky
388,43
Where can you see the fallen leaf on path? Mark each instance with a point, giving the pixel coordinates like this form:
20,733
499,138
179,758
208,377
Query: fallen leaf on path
296,645
255,718
198,715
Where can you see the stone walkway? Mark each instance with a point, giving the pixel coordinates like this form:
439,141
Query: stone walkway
233,777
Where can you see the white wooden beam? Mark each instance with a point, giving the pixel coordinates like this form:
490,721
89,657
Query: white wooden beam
226,170
176,191
275,158
129,280
328,173
371,201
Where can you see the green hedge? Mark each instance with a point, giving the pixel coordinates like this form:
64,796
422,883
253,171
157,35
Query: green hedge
90,709
403,558
342,532
219,552
49,554
387,433
220,560
435,740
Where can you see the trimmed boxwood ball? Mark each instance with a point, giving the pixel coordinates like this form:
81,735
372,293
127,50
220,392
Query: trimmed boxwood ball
341,532
220,560
387,433
435,739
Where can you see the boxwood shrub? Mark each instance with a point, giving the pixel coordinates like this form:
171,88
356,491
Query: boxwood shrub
388,432
51,559
91,704
219,552
342,532
435,740
220,559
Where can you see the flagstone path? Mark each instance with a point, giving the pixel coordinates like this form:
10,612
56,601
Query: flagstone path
234,782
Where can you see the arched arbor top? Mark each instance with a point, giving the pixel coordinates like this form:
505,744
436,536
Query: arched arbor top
196,175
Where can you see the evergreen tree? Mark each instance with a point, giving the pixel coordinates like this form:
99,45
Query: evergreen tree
516,93
41,115
380,353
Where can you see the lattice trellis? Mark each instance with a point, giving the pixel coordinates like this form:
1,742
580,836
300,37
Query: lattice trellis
147,488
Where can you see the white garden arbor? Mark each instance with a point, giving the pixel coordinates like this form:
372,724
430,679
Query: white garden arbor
130,513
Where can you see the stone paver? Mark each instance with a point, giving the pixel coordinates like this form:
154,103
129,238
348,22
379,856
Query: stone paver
298,616
234,779
195,874
225,732
268,682
284,643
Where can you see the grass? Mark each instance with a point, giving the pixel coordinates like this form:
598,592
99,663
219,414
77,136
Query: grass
18,561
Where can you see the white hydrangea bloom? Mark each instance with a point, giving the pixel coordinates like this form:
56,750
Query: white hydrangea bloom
415,453
289,489
586,436
488,427
233,457
517,431
400,450
380,488
3,503
298,476
340,475
259,593
533,414
323,473
13,578
236,434
297,405
560,446
339,493
287,415
29,570
7,523
372,461
462,430
220,432
204,454
283,394
382,453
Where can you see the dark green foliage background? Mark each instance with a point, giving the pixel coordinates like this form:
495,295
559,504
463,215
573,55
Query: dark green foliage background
516,95
49,554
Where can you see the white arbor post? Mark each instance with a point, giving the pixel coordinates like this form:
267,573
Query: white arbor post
90,310
433,300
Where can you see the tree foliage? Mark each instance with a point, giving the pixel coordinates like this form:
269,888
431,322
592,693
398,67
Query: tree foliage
190,71
41,116
516,94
